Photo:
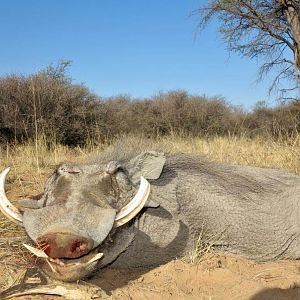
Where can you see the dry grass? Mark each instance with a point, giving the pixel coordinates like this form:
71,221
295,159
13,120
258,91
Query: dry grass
203,245
38,159
32,163
245,151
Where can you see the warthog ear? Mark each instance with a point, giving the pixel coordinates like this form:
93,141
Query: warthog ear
148,164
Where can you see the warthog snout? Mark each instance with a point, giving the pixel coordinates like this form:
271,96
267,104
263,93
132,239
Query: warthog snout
65,245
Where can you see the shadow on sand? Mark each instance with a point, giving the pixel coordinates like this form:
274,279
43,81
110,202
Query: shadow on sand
110,279
292,293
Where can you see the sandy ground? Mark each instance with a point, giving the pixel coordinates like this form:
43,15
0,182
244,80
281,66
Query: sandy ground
216,277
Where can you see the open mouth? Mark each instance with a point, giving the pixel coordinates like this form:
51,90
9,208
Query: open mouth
59,265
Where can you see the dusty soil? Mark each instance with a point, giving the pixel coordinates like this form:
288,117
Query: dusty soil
215,277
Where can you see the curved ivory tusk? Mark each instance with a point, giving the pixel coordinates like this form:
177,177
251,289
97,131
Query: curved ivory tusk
9,210
130,210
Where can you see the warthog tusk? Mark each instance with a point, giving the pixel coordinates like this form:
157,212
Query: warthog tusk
9,210
130,210
36,252
96,257
41,254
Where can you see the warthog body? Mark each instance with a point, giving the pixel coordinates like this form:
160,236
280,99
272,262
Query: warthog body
249,211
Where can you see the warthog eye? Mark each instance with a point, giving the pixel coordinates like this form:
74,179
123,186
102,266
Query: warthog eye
65,169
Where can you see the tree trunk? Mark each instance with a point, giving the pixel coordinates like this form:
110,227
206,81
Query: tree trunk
292,12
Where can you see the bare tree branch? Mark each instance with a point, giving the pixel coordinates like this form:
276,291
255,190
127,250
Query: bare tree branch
269,30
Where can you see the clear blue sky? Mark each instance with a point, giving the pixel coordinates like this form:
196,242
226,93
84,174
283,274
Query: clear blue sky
134,47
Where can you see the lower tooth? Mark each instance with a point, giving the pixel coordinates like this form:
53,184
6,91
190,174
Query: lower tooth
96,257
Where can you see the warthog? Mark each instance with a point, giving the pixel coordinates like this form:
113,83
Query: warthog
148,209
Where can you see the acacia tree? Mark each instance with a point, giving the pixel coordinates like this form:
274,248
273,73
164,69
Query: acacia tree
267,29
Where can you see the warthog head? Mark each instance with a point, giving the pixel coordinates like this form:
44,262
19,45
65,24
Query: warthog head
82,205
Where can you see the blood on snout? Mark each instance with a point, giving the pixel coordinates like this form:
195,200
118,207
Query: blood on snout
79,246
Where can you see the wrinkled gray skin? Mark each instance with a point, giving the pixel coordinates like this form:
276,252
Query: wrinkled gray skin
249,211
